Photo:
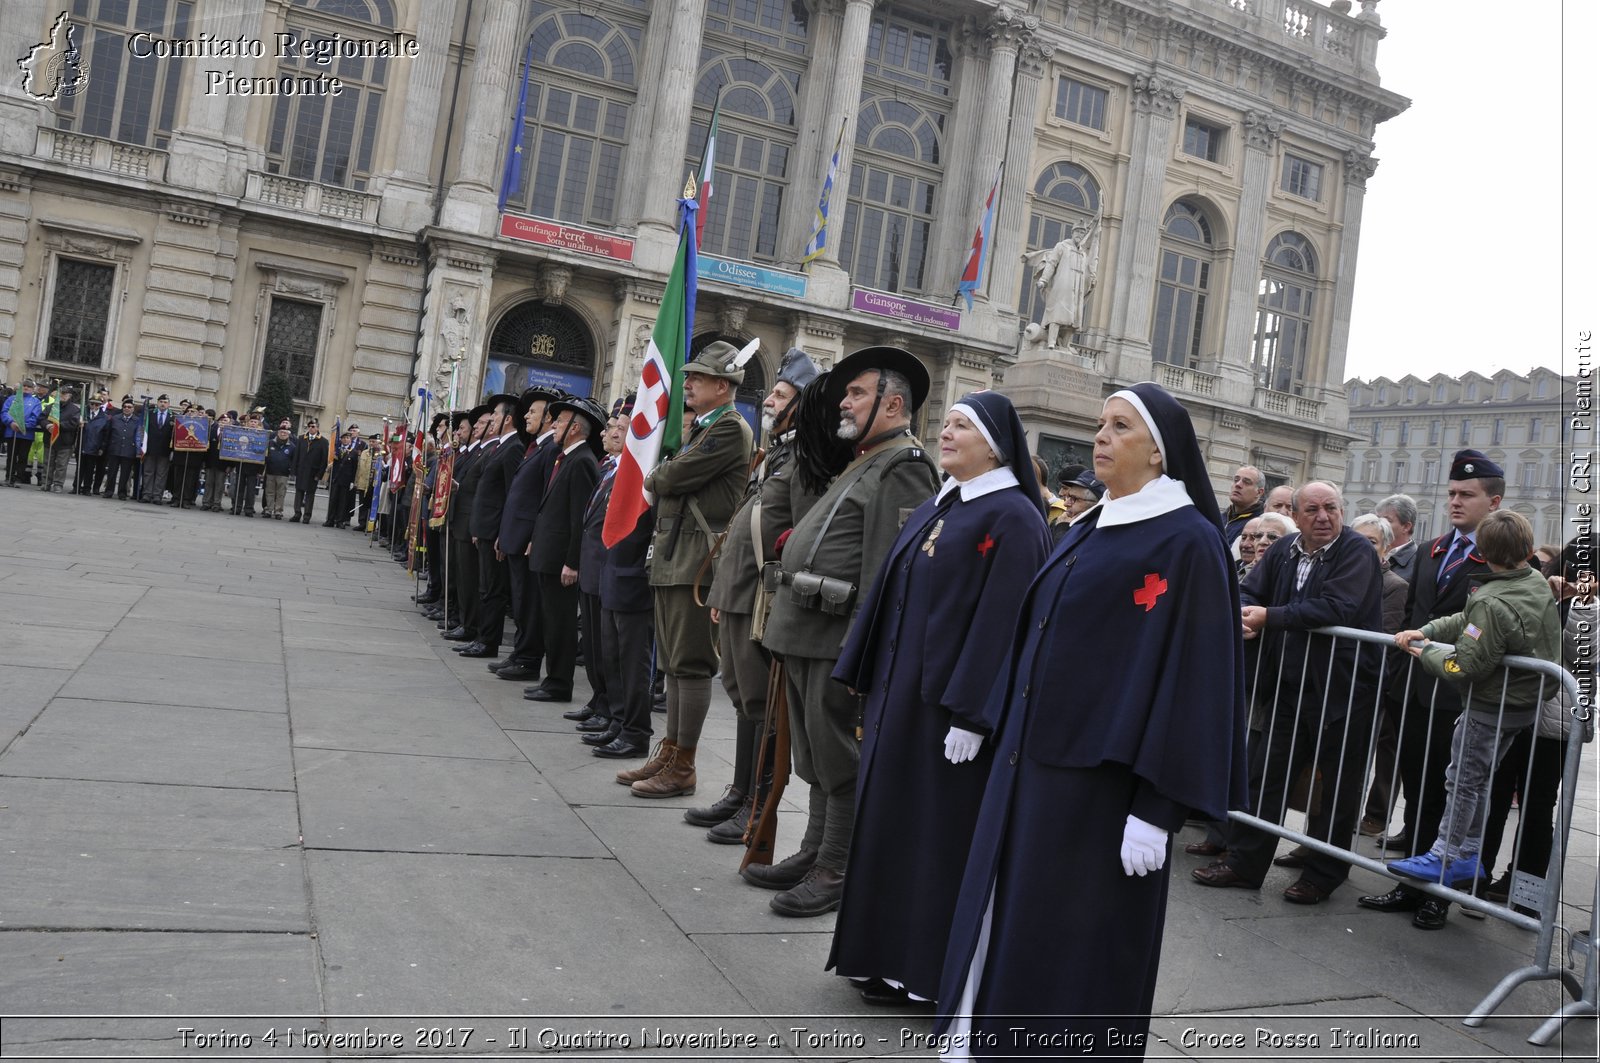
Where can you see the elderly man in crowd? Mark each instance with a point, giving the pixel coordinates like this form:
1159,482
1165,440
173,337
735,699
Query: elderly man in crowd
1281,500
1246,501
1326,575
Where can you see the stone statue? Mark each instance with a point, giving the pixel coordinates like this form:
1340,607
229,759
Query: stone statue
454,328
1066,274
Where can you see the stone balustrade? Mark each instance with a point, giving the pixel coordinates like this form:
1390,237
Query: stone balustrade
312,198
98,153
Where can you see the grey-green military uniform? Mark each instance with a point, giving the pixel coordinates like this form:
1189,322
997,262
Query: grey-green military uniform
874,495
782,501
696,491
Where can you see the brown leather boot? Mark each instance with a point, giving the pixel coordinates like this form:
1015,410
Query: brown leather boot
659,759
674,780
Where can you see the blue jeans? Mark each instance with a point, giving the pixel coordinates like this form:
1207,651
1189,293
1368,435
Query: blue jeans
1475,753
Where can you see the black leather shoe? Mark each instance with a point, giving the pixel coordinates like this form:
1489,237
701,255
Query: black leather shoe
725,807
457,634
595,724
478,649
817,894
541,694
731,830
577,715
427,598
470,645
518,673
433,614
1432,914
881,994
618,749
1395,843
1398,899
784,875
601,738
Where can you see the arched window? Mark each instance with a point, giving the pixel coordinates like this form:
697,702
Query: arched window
899,153
538,344
579,96
754,139
126,94
1065,195
325,138
1283,314
1187,248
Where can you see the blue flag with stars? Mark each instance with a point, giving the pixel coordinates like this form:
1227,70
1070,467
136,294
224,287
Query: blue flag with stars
513,169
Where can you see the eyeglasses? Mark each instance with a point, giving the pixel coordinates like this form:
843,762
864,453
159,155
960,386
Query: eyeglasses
1084,499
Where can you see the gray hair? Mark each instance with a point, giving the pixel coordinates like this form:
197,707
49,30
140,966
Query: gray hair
1404,508
1284,525
1372,520
1294,502
895,383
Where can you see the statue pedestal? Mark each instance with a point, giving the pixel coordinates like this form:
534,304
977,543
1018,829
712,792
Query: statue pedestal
1056,385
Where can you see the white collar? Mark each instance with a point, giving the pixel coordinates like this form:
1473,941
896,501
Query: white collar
986,483
508,435
574,445
548,433
1161,495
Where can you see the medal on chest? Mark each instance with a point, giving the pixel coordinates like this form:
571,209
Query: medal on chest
933,538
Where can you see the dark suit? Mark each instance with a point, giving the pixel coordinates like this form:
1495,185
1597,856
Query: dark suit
1321,693
311,461
463,556
157,453
517,522
122,451
558,544
627,618
591,558
91,463
498,467
1430,715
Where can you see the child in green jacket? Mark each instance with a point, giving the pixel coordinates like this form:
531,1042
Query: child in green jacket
1510,613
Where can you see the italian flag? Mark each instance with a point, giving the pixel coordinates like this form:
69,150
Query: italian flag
657,424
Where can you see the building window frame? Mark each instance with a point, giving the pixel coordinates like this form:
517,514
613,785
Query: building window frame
1185,262
102,41
301,282
1205,139
85,243
1286,315
1081,103
1301,176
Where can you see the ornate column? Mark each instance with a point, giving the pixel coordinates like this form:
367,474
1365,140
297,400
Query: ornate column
951,227
471,203
1359,166
405,199
808,163
1261,129
674,94
1155,106
844,103
636,157
207,151
1011,223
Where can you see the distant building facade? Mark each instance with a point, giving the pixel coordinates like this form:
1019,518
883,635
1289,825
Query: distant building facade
186,204
1408,429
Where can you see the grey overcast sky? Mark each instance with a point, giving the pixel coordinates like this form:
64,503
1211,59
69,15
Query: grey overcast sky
1461,253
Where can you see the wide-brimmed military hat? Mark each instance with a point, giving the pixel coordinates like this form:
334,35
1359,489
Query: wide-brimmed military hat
723,360
536,393
590,411
894,359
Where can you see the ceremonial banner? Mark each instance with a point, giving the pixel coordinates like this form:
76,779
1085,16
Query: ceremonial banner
247,445
191,434
441,489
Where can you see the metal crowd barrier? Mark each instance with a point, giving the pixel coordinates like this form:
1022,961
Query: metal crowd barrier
1364,703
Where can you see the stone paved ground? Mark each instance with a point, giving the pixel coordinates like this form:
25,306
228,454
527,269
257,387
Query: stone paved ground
243,787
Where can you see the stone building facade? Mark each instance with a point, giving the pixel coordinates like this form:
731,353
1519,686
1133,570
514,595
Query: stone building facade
1408,428
185,203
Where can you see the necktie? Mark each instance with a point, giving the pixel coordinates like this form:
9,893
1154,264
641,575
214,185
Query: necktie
1453,560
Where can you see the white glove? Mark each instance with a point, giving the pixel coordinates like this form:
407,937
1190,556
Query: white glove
961,745
1144,847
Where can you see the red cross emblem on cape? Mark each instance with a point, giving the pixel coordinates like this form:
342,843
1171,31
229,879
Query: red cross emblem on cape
1154,587
987,545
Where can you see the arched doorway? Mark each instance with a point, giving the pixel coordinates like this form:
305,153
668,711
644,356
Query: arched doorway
538,344
747,398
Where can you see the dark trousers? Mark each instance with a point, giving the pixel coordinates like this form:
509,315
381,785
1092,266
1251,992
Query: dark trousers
1282,752
17,463
494,590
305,498
464,582
188,468
529,647
244,492
435,558
340,500
626,644
91,470
594,654
558,618
1424,755
119,477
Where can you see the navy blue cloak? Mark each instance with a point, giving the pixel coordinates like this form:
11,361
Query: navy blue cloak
924,652
1152,725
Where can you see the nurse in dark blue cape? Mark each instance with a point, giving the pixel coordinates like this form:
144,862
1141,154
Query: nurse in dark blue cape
924,651
1056,938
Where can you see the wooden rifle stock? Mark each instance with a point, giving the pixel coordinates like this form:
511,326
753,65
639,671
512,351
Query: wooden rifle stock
762,832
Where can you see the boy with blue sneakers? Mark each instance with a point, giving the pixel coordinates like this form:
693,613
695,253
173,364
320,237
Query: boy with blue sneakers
1510,613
